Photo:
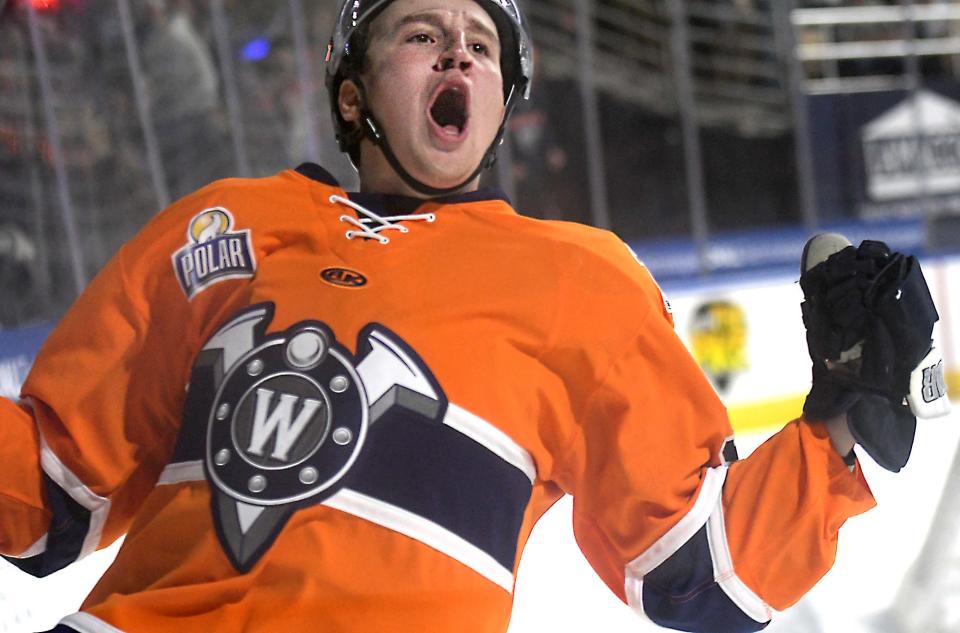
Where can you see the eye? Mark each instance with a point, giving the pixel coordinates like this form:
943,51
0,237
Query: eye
421,38
480,49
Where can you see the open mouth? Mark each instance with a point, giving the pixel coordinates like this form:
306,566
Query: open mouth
449,111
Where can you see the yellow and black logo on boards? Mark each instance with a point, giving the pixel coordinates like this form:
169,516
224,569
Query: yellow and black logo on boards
343,277
718,333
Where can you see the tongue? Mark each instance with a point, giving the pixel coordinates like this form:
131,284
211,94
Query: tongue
449,111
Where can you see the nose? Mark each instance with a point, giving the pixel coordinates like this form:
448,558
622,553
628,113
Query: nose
455,56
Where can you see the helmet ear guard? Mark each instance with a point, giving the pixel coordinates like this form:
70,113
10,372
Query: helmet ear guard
345,57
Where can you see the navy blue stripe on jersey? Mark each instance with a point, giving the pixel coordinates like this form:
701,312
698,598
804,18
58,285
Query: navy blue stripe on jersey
69,525
206,378
682,593
438,473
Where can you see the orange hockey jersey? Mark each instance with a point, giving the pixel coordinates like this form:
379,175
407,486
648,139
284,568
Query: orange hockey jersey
313,410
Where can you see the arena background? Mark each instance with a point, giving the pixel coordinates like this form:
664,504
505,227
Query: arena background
714,136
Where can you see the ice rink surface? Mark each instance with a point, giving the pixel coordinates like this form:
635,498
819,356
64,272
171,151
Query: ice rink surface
558,592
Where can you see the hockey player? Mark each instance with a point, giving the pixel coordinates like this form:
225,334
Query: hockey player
310,409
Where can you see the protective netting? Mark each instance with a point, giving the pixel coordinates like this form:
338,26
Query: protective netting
151,99
145,112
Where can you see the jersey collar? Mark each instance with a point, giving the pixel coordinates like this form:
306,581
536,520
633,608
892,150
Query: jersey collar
382,203
314,171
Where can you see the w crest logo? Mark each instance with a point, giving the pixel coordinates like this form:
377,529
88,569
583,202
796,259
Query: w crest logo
287,416
280,424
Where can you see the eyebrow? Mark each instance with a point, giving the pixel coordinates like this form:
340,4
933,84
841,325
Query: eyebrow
427,17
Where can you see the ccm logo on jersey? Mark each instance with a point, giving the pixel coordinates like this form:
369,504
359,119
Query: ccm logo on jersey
213,252
343,277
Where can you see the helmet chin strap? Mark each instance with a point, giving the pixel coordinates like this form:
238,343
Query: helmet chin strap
375,132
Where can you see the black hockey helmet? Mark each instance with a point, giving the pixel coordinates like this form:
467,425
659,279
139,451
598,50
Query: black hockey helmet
344,62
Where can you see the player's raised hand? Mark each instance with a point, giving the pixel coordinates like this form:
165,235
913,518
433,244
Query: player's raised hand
869,319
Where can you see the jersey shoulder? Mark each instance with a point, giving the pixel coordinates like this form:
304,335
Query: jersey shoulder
599,262
593,246
216,232
256,199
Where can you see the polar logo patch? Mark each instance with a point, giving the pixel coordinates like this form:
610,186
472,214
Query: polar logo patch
213,252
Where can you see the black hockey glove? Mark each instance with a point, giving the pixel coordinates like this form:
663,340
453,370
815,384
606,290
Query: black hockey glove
869,319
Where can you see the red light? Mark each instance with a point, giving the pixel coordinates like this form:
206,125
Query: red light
45,5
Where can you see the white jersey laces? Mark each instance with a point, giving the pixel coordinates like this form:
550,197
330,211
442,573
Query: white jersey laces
372,225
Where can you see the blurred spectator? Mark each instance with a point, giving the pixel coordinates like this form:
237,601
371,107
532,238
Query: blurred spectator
18,264
184,91
539,163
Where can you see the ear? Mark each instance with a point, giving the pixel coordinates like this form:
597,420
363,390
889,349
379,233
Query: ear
349,101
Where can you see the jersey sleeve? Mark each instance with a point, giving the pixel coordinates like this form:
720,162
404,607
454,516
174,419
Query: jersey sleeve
674,525
100,409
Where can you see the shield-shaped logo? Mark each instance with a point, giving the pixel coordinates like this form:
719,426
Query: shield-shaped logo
289,416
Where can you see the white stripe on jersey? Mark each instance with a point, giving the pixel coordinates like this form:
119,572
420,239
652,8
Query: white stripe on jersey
423,530
98,506
181,472
491,438
86,623
723,571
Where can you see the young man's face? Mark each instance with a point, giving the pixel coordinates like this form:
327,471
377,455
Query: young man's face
433,81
